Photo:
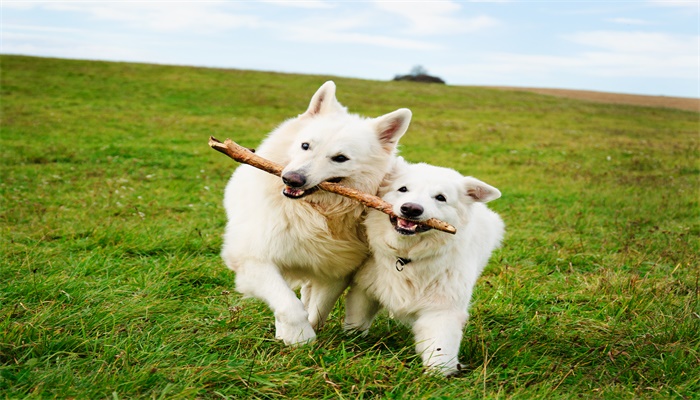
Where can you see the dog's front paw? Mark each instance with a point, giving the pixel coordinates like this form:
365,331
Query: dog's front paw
449,370
453,372
354,329
294,334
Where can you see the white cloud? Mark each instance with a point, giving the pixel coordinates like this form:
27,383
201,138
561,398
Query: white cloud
605,54
314,35
676,3
165,17
39,28
628,21
153,18
347,29
642,54
649,43
211,18
50,45
17,5
435,18
310,4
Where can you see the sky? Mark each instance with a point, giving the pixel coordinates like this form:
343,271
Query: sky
647,47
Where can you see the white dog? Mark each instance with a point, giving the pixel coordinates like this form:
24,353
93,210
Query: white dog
425,277
284,233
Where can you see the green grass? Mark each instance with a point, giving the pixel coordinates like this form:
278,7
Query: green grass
110,214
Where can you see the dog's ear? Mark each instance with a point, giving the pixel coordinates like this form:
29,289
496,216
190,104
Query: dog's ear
391,127
479,191
324,101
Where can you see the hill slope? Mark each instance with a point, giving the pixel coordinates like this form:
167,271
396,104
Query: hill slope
682,103
110,210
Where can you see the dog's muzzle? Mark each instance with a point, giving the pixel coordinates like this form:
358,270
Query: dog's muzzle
408,224
294,183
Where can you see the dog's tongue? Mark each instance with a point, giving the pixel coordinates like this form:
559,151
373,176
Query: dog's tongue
406,224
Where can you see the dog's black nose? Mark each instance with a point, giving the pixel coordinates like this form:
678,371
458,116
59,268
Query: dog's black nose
411,210
294,179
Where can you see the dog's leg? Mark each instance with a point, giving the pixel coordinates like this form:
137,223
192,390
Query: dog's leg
360,310
264,281
437,337
305,292
320,298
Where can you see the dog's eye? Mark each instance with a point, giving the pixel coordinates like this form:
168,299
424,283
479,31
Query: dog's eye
403,189
440,198
339,158
305,146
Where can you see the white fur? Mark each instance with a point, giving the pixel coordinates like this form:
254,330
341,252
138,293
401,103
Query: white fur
275,243
432,293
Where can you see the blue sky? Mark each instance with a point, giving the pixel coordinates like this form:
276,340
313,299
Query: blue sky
635,46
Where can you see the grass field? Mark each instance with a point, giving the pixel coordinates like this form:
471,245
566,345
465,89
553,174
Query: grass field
110,214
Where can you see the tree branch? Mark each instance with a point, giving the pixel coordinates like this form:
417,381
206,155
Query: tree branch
243,155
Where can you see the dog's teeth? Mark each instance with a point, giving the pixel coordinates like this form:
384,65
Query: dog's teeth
293,192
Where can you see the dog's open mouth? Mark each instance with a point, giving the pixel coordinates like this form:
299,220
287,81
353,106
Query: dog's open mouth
296,193
407,226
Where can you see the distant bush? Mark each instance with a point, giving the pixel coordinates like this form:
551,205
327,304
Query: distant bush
419,78
419,74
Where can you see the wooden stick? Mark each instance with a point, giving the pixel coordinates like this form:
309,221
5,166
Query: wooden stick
243,155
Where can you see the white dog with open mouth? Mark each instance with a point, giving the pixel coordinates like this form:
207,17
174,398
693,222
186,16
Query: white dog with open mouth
425,277
284,233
